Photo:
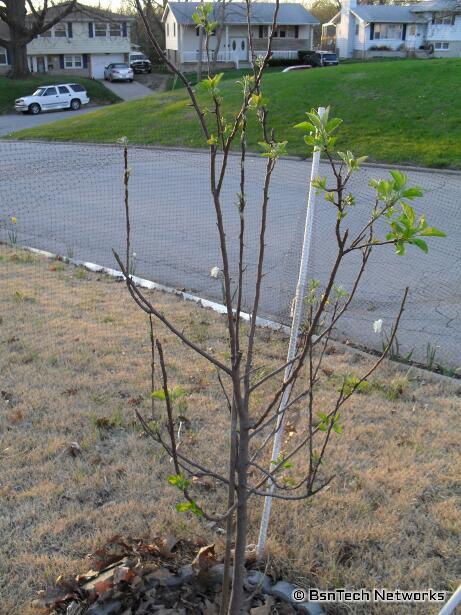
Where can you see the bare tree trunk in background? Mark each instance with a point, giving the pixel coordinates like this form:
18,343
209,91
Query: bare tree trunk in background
200,54
13,14
220,18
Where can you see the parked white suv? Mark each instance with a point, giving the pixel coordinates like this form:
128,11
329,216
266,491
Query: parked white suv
50,97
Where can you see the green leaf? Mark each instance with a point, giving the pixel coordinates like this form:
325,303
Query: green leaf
422,245
409,212
337,428
431,231
333,124
159,394
189,507
400,179
305,126
179,481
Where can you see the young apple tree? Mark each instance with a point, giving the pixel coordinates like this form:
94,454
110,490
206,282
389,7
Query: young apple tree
298,472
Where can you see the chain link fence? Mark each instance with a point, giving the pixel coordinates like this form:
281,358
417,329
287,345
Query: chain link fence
68,199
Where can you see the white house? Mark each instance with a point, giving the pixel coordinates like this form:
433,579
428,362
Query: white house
443,26
293,33
430,27
81,44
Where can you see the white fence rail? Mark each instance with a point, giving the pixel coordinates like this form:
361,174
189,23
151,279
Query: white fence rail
223,56
285,54
226,55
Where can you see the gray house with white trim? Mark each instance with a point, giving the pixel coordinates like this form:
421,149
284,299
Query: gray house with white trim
432,27
294,31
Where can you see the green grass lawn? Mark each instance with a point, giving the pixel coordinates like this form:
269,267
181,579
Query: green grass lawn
228,75
399,112
11,89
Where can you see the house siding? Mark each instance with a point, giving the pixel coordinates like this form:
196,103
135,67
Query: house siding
172,29
79,43
444,32
364,42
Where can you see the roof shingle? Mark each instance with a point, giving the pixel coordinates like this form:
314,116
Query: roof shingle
385,14
260,13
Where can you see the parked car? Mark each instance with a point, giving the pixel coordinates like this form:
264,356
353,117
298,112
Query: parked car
50,97
118,72
288,69
321,58
140,63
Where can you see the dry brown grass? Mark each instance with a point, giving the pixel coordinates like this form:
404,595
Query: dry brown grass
74,349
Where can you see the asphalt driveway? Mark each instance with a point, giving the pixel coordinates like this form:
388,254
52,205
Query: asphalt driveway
18,121
68,199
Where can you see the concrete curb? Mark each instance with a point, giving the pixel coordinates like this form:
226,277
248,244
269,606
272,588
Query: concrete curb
418,372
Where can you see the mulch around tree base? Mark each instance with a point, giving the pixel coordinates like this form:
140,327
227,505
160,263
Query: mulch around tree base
166,576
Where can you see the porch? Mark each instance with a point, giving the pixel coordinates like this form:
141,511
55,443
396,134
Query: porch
233,57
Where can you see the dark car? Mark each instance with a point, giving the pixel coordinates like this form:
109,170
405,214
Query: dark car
139,63
321,58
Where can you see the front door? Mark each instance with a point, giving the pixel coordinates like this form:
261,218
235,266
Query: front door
238,47
40,64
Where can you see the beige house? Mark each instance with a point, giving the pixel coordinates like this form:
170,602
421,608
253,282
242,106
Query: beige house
293,33
83,43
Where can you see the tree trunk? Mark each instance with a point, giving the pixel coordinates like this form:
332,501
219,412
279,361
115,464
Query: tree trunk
18,45
19,65
236,602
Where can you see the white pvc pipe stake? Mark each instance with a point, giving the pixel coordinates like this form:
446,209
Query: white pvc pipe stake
451,605
295,324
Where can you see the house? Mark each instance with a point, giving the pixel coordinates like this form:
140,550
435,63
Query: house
363,31
443,26
182,37
83,43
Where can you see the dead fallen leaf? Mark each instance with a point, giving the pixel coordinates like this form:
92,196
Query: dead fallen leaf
73,449
166,545
205,558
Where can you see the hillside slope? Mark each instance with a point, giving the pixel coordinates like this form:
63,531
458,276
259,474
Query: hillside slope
399,112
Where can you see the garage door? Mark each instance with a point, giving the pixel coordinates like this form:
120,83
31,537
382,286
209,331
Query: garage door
99,61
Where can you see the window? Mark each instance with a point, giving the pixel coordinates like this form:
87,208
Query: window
76,87
115,29
261,31
50,92
60,30
296,31
388,31
46,34
412,30
3,58
100,29
63,90
441,46
168,29
174,28
356,29
73,61
283,33
443,18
